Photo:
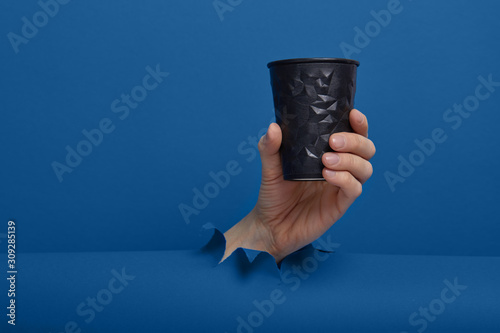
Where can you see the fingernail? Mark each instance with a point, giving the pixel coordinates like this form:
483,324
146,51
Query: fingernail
338,141
329,173
332,159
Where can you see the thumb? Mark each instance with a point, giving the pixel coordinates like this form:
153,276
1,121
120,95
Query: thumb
269,146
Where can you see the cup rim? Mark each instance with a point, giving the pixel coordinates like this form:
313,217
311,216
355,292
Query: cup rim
312,60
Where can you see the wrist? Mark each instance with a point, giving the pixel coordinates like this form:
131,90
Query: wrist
249,233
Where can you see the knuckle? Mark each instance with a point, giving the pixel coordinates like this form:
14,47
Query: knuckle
357,142
346,161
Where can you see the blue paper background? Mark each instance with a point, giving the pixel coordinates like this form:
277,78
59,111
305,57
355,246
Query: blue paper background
125,194
397,248
179,291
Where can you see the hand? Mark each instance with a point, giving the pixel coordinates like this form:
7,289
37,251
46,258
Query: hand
291,214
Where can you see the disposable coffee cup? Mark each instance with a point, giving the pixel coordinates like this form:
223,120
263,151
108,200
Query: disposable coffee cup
312,100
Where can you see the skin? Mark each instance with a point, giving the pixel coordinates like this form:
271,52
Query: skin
291,214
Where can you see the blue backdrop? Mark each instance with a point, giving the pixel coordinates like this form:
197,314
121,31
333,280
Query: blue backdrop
118,116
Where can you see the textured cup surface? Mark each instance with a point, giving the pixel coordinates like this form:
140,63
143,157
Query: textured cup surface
312,100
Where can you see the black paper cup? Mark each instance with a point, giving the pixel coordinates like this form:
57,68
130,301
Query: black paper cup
312,100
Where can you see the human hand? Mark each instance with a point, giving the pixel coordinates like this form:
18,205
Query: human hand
291,214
